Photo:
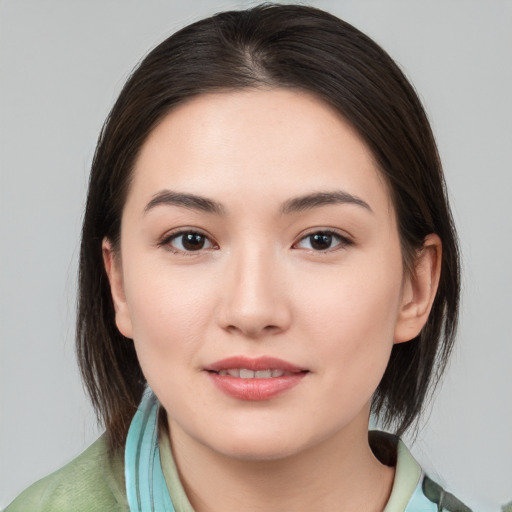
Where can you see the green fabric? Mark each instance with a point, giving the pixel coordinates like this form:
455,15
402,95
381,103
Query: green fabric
92,482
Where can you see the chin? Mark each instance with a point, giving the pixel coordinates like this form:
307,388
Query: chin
260,451
259,444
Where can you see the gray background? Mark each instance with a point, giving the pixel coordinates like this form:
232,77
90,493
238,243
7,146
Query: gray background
62,64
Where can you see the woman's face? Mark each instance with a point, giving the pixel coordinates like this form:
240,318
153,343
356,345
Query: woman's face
260,273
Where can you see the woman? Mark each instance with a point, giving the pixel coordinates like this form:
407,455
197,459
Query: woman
267,255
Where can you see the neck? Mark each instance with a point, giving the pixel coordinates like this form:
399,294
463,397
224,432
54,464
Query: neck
340,473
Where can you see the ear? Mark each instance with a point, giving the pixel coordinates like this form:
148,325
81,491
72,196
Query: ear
419,290
113,267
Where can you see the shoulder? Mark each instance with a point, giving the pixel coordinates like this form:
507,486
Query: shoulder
94,481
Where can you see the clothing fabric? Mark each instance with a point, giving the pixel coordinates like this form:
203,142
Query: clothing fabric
146,488
99,481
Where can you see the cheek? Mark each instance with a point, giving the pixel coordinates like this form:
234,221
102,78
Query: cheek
168,310
351,315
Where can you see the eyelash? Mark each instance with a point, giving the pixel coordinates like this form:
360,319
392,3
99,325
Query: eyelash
343,241
166,241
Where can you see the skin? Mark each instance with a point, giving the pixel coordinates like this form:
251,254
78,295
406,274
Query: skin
260,287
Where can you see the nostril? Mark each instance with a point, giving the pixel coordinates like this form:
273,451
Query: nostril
254,330
248,314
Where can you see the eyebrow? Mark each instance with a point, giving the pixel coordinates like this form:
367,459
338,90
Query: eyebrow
318,199
294,205
191,201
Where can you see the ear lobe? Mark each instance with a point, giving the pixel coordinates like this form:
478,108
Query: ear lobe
419,290
114,271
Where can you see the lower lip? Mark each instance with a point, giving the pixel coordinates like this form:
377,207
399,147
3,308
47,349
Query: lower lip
255,389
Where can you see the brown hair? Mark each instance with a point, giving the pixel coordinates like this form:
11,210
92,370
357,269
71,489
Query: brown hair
271,46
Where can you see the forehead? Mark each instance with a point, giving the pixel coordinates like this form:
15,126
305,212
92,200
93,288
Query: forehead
274,142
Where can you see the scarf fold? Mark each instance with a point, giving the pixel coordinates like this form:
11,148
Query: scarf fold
146,488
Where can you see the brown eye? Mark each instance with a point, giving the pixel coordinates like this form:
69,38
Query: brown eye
189,241
323,241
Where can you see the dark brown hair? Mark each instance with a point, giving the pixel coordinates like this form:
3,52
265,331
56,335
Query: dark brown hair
285,46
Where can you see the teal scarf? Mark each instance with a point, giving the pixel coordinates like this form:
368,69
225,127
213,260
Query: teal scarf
146,488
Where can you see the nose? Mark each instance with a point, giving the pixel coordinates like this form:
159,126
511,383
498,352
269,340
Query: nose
254,295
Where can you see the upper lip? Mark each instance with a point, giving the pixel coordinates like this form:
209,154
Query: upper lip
255,364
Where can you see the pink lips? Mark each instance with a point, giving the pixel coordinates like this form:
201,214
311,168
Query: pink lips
262,386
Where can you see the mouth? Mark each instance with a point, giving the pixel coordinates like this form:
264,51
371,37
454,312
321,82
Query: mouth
250,368
244,373
257,379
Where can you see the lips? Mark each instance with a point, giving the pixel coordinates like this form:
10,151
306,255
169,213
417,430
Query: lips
254,379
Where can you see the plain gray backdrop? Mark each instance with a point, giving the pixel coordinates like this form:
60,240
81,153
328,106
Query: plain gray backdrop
62,63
